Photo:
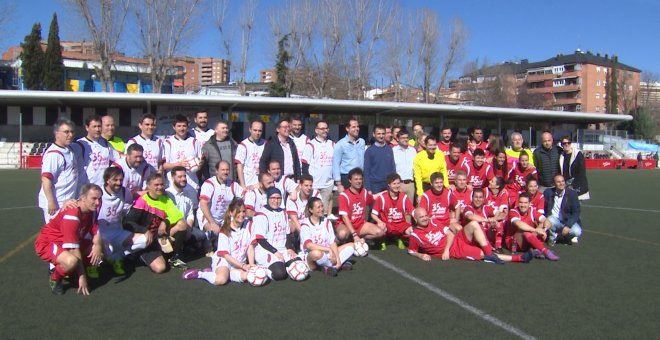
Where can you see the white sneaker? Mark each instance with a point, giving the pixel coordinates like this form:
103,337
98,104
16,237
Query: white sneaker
574,240
332,217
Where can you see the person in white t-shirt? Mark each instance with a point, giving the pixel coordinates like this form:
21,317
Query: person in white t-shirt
135,169
317,162
295,208
286,185
255,199
296,133
153,146
248,154
201,131
95,153
60,171
180,149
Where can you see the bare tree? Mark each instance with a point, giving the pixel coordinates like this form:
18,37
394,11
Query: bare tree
428,52
220,10
455,51
394,52
164,25
246,23
105,22
627,95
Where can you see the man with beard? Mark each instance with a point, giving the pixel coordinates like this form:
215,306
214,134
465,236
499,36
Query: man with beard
201,131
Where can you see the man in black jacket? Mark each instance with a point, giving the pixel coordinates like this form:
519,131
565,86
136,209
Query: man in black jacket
562,212
283,149
219,147
546,160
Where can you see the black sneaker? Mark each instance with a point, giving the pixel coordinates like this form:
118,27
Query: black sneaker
330,271
175,262
493,259
347,266
527,256
56,286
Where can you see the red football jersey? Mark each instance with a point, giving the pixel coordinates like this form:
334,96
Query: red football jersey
462,198
354,205
519,177
484,211
499,201
444,147
531,217
478,177
500,173
431,240
538,203
453,167
69,227
393,211
438,206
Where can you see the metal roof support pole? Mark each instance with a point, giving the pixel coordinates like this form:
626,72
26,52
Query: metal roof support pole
442,121
378,118
499,124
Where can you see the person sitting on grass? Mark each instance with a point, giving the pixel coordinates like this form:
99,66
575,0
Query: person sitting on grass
63,241
482,215
562,212
497,197
318,243
353,204
234,255
526,231
391,209
429,240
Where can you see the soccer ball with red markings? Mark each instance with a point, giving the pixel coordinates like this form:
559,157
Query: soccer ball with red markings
360,248
298,270
193,163
257,276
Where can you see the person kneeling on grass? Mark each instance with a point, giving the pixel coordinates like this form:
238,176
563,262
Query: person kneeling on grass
64,242
391,209
469,243
272,238
318,243
228,262
526,230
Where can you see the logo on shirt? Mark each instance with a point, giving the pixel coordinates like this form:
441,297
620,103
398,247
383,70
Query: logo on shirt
434,238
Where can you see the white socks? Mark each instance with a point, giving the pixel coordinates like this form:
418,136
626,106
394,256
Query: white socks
345,254
324,261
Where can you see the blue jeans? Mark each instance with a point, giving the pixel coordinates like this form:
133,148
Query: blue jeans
557,226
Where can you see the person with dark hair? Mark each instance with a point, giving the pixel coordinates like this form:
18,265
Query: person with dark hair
94,152
255,199
477,170
248,155
287,186
60,175
572,167
426,163
135,169
378,162
391,208
439,201
182,150
444,144
319,244
546,159
417,131
153,146
500,165
156,215
353,204
63,245
391,135
536,199
317,162
220,146
295,207
297,135
461,192
201,131
404,156
347,155
497,197
283,149
562,212
526,230
274,247
454,159
495,145
476,140
518,176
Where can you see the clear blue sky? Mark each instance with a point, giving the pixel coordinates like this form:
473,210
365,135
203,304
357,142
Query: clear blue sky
498,30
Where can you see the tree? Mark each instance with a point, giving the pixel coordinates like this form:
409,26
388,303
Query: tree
53,64
643,124
105,23
455,50
612,101
247,15
280,88
32,59
428,52
164,26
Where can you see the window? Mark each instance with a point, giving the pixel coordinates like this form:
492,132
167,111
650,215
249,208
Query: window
597,108
598,82
604,70
598,69
597,95
558,69
558,82
629,87
578,107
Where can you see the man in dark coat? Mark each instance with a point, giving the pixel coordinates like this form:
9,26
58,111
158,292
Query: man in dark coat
283,149
562,212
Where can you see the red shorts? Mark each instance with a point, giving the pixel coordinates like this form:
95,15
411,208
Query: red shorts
356,226
509,242
398,229
49,251
462,248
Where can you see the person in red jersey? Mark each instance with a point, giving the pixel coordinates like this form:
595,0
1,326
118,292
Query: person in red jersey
536,198
500,166
485,216
498,198
476,140
444,143
526,230
429,240
352,210
454,159
391,209
439,201
462,194
518,176
65,241
478,172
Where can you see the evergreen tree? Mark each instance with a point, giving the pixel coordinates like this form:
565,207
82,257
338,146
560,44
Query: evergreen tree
32,59
53,64
612,101
279,87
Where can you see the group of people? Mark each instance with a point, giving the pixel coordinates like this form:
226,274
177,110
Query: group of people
269,204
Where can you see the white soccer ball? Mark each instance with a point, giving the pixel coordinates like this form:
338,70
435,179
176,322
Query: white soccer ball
257,276
193,163
298,270
360,248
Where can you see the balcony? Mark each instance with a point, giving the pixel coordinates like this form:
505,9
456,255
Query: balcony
567,101
539,77
554,89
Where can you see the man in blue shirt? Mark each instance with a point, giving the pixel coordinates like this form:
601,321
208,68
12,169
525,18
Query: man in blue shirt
348,154
378,162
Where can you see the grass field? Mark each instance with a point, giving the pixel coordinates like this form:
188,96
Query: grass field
608,286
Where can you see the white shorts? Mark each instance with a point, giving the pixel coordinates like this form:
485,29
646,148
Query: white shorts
201,220
217,262
265,258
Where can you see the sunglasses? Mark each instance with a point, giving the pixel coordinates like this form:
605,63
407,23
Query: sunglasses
565,143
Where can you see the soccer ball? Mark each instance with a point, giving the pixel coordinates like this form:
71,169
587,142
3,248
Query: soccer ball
257,276
193,163
298,270
360,248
